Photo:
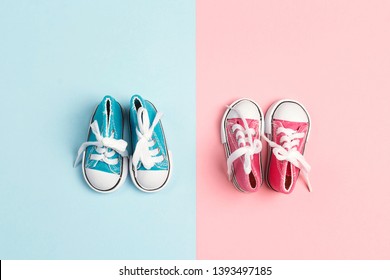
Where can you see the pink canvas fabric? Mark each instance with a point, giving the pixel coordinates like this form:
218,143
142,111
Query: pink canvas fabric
246,182
282,175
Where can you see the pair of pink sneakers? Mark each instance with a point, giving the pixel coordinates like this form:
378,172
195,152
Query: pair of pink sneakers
286,126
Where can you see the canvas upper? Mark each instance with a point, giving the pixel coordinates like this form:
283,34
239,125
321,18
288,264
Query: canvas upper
288,125
103,166
150,162
240,133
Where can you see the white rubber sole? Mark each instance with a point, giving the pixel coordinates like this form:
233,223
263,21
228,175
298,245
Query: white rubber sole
121,181
154,190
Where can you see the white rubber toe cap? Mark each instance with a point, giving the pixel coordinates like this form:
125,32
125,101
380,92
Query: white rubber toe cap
151,180
247,108
101,181
291,111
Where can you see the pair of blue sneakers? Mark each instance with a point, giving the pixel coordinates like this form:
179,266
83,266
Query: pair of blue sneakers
105,159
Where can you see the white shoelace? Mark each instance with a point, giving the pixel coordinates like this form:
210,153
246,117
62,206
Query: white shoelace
288,151
142,153
102,145
247,146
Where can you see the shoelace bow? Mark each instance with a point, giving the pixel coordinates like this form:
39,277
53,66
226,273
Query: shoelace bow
288,151
142,152
247,146
102,145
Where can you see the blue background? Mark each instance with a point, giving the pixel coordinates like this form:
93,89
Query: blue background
57,61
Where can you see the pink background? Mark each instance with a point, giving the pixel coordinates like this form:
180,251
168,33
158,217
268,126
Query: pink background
334,57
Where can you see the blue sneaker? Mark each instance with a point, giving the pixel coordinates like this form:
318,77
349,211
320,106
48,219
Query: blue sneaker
150,165
103,163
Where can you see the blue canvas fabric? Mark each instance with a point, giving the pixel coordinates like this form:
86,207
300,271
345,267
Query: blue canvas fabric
158,133
108,114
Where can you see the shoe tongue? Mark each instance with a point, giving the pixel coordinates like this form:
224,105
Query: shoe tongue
288,169
145,117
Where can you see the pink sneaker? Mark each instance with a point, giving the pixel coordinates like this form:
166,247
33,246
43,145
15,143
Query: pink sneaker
241,128
287,126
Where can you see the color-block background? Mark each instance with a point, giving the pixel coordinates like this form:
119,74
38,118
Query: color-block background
59,58
334,57
57,61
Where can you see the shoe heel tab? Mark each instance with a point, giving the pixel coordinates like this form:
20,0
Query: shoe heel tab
136,96
136,102
109,97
